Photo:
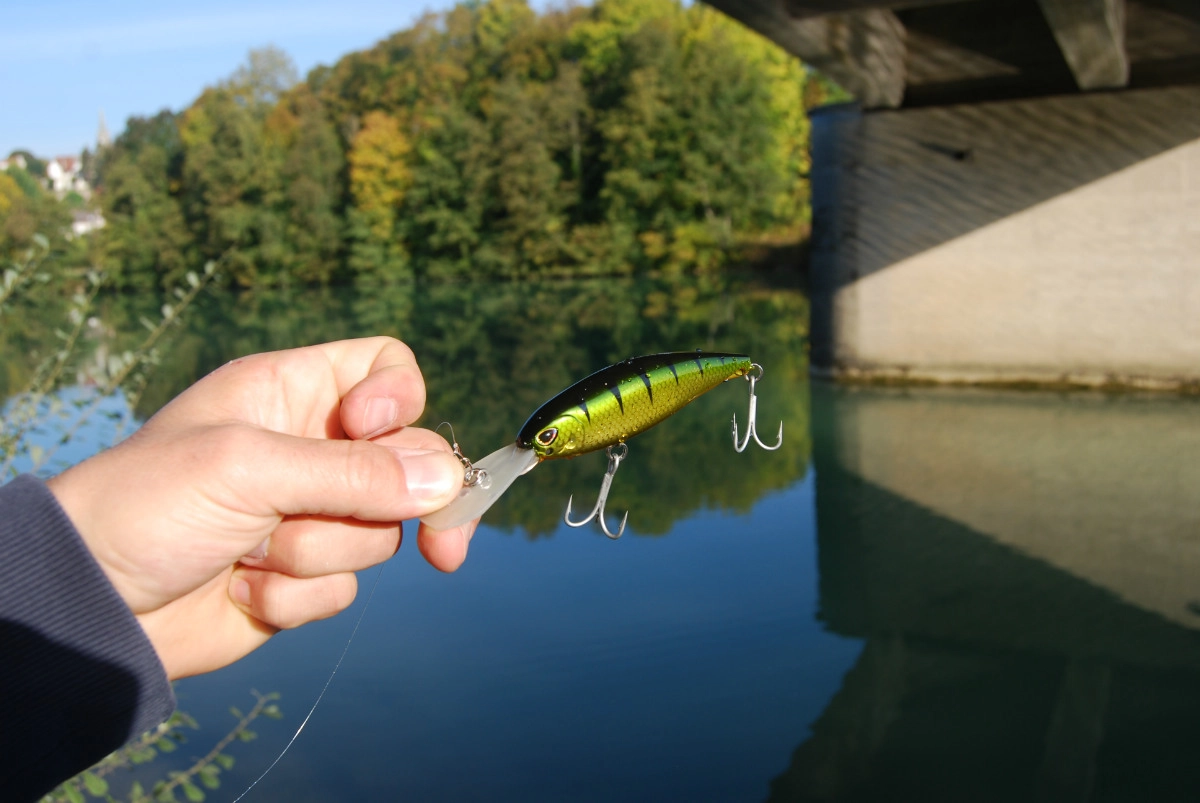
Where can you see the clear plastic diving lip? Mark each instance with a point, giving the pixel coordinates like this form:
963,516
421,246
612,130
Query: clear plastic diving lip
501,467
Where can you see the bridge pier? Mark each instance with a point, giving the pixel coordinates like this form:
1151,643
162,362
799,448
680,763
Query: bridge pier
1047,240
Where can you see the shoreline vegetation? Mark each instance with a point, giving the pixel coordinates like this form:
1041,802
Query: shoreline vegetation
628,137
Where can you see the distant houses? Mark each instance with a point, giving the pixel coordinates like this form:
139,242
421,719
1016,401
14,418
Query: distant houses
62,176
15,160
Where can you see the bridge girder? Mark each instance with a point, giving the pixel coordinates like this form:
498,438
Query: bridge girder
864,45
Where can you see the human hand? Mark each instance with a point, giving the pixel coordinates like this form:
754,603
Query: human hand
247,504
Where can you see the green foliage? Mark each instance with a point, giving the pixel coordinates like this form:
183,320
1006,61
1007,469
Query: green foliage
486,141
28,214
34,165
66,384
26,181
203,772
262,81
147,240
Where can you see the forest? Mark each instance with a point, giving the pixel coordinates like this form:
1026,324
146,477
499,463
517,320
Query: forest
488,141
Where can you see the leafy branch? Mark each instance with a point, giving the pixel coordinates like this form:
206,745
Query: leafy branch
36,405
165,739
20,272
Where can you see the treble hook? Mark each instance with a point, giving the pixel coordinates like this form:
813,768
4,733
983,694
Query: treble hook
615,455
751,431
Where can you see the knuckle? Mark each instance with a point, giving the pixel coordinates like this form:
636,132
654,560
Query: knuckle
262,368
367,467
224,447
314,599
400,348
342,590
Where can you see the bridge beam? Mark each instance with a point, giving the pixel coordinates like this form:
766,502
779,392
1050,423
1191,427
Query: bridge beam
1091,35
862,50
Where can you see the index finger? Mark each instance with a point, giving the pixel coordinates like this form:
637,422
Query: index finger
379,383
324,390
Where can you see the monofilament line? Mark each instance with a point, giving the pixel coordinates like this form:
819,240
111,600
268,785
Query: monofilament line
324,689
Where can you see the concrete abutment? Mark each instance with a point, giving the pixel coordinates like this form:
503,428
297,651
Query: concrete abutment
1044,240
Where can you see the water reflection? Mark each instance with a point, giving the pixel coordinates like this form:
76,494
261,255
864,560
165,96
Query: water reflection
975,596
492,354
1023,569
558,665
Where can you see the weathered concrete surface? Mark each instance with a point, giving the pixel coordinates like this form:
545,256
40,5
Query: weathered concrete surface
1091,35
1103,490
1045,240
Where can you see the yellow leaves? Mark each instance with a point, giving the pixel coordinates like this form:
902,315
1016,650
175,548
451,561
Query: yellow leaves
10,194
499,20
196,127
379,171
599,38
280,126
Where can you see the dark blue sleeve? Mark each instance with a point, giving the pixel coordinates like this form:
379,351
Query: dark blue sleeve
78,677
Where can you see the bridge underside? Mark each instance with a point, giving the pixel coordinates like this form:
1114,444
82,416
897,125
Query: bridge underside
908,53
1014,196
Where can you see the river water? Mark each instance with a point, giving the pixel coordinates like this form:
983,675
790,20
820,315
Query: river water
924,595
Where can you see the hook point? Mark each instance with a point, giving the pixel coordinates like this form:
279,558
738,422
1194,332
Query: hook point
755,374
615,456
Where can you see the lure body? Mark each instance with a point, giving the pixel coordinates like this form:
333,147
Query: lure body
602,410
624,400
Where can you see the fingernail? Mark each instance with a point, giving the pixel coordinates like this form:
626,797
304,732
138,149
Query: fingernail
239,589
428,474
259,552
379,415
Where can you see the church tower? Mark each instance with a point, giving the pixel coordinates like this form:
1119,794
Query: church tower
103,140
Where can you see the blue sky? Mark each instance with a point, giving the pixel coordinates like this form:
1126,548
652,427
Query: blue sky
62,63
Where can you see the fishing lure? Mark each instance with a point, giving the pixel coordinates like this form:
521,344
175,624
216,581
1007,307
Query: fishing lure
601,411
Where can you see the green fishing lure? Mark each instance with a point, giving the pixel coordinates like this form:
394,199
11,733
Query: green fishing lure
601,411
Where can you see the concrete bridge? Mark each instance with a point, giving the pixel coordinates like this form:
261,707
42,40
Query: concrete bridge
1015,196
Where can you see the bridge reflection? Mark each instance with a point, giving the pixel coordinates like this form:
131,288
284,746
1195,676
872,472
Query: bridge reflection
1023,569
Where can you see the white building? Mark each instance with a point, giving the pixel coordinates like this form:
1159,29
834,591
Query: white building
86,221
63,176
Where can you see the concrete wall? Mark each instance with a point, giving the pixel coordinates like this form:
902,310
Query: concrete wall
1052,239
1101,488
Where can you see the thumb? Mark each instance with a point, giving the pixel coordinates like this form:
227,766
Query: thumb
354,479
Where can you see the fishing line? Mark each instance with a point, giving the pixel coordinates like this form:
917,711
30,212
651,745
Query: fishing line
324,689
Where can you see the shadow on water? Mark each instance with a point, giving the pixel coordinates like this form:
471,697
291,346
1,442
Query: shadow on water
1023,571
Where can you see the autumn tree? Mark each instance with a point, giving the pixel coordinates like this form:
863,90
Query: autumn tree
489,140
380,177
147,240
311,168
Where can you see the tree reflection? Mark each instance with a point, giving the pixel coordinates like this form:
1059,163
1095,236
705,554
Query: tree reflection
493,353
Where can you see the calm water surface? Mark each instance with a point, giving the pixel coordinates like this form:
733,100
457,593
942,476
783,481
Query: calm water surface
925,595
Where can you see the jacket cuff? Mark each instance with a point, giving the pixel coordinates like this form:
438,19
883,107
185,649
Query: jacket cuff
79,676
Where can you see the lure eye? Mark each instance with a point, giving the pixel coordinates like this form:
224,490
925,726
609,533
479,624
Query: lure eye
547,436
